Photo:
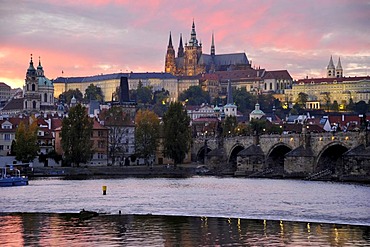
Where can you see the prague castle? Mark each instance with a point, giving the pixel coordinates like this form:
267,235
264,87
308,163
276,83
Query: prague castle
192,61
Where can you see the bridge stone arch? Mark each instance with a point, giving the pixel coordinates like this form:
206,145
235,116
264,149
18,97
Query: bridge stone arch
232,156
330,157
275,157
202,154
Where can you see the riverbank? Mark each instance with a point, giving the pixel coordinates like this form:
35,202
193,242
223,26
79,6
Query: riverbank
180,171
115,171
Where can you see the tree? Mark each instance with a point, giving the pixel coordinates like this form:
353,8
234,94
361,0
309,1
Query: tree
244,100
146,133
67,96
258,126
144,95
301,100
93,92
229,125
326,99
25,145
176,132
335,106
361,107
115,119
75,134
194,95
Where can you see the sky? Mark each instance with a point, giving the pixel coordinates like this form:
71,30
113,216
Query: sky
90,37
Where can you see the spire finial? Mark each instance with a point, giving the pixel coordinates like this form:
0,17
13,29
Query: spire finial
170,41
213,50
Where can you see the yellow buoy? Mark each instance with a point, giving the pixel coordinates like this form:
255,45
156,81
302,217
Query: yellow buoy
104,189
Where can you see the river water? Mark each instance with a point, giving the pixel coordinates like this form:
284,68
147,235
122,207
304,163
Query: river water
197,211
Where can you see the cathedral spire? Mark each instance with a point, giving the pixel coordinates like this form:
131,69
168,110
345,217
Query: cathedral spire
193,39
170,42
213,50
180,51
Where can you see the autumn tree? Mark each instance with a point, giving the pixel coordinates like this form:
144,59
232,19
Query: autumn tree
176,132
116,120
146,133
75,136
25,145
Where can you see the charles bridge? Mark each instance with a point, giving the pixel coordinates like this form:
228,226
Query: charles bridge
334,155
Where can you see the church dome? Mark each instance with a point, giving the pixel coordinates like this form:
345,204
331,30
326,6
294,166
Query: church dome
257,113
43,81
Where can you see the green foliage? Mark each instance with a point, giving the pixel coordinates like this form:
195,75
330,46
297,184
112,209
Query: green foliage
267,101
176,132
93,92
25,145
258,126
67,96
229,126
301,100
244,100
146,133
144,95
361,107
194,95
335,106
75,134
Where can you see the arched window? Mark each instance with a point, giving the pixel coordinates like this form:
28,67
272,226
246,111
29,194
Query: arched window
45,97
34,104
33,87
25,104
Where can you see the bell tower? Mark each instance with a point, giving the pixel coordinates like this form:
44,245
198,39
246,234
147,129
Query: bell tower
31,89
330,70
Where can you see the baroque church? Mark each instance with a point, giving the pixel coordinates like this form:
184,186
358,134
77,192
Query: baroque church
191,60
38,91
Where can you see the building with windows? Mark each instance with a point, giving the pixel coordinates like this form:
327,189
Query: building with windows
334,87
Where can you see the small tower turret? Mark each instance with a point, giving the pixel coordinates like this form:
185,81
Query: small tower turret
330,69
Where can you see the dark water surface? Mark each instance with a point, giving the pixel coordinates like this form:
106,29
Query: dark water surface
198,211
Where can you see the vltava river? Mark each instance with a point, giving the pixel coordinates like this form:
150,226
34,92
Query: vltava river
197,211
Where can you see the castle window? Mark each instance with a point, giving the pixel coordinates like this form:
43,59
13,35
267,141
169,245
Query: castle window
25,104
45,97
33,87
34,104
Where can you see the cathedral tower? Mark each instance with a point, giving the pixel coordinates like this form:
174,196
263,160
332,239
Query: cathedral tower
170,65
193,51
180,52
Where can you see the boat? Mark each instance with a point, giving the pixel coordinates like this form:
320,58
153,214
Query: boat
11,176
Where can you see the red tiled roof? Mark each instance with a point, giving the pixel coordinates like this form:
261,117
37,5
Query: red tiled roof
237,74
277,74
331,80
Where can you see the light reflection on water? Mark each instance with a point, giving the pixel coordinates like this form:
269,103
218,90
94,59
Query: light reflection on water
149,230
223,210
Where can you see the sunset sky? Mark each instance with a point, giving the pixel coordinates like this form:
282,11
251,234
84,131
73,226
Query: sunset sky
89,37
